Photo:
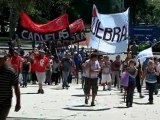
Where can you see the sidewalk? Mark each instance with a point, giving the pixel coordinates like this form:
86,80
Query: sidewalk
58,104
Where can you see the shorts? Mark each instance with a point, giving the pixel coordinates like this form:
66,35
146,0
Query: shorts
91,83
41,76
106,78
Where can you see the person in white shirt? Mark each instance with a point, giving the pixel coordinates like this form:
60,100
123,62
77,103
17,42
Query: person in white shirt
92,68
106,70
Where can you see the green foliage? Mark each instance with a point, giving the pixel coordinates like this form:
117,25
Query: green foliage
144,11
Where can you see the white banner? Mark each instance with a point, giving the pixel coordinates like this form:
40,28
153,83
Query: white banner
109,33
145,54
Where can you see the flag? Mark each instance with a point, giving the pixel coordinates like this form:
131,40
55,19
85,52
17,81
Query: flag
57,24
57,29
77,26
77,34
145,54
109,32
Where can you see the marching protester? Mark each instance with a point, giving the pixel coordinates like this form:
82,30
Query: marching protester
41,62
49,70
78,61
106,76
134,49
16,62
116,67
56,71
66,67
150,75
132,72
139,79
157,67
8,79
92,68
25,71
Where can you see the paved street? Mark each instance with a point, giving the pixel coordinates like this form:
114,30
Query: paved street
58,104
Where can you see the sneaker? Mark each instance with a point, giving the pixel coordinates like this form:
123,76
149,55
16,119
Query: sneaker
150,102
92,104
39,91
156,92
86,101
42,91
141,96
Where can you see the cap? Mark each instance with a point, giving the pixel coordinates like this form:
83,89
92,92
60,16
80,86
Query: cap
2,53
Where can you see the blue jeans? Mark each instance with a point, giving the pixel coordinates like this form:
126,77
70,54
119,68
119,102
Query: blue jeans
25,77
65,75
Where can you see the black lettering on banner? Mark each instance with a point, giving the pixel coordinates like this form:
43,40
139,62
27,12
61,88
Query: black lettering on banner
95,27
37,37
124,33
116,32
107,34
98,28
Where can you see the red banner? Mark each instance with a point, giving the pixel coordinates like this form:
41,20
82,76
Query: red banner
77,26
57,24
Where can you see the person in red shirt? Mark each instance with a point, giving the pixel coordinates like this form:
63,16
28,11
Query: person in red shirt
33,55
41,62
16,62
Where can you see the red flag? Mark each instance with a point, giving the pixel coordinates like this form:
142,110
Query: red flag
77,26
52,26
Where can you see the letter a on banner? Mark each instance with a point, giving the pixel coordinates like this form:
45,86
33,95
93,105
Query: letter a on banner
109,32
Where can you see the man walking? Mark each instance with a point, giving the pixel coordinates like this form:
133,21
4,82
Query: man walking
8,79
66,66
116,66
41,62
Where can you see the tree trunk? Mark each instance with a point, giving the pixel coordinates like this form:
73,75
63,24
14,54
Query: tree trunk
12,19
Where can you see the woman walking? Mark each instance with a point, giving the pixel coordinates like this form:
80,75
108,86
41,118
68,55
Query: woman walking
106,76
132,72
150,75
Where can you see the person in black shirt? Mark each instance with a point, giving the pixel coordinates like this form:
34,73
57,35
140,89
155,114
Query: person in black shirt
8,79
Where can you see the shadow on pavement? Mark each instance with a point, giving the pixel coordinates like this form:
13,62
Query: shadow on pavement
85,108
22,118
82,95
141,103
28,93
59,88
121,107
79,88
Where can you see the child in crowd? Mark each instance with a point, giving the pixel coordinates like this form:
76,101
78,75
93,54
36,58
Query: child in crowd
132,72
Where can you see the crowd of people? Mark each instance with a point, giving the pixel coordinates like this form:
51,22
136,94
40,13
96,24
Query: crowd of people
40,66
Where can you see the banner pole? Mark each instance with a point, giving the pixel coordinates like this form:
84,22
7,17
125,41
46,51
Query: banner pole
128,32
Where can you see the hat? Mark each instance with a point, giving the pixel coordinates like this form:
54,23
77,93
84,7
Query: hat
2,53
